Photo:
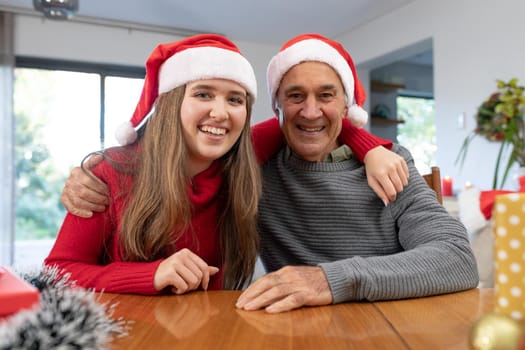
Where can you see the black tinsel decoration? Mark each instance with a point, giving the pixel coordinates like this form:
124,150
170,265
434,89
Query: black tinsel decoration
68,317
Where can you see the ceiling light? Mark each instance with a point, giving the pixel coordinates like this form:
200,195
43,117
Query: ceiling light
56,9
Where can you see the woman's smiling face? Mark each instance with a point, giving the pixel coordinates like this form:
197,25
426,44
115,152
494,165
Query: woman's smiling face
213,115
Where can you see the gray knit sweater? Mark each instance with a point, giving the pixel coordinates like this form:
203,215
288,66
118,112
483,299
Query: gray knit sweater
326,214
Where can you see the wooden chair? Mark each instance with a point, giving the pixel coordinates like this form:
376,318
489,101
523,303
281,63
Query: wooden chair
433,180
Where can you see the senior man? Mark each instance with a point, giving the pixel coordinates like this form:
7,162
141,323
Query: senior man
325,236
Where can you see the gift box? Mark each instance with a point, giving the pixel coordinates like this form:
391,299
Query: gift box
15,293
509,255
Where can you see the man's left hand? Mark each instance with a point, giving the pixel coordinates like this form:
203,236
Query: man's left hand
286,289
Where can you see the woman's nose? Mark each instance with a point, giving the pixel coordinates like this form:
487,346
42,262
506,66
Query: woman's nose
219,110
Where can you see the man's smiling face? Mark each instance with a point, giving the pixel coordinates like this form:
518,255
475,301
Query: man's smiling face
313,101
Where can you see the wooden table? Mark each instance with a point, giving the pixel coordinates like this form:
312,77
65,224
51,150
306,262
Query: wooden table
209,320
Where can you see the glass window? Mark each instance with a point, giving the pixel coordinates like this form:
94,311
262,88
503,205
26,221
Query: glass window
122,95
418,132
58,121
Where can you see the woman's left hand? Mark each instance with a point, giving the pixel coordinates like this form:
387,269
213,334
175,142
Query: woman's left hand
184,271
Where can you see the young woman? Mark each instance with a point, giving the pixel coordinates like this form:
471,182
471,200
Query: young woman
184,189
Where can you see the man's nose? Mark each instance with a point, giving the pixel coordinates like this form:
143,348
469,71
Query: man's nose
311,108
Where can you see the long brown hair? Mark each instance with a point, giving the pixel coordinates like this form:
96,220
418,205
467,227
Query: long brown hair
159,210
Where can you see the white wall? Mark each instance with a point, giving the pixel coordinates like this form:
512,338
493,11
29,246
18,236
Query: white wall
475,42
38,37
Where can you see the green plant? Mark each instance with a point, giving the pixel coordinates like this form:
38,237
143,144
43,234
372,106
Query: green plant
500,119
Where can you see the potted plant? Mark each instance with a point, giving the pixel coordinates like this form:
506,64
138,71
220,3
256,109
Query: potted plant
500,118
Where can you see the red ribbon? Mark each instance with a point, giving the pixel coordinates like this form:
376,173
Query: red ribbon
487,198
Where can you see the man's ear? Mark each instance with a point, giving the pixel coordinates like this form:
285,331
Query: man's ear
345,112
276,108
279,113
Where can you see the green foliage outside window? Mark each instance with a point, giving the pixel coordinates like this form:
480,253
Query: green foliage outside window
418,132
38,183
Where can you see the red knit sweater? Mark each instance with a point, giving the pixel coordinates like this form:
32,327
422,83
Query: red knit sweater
88,249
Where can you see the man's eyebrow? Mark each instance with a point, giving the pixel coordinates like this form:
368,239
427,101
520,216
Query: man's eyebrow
328,87
292,88
299,87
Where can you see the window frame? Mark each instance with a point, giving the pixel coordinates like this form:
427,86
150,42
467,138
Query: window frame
103,70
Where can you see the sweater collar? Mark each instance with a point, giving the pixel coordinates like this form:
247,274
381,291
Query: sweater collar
339,154
206,184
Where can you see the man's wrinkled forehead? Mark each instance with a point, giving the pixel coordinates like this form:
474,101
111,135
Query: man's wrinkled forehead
332,81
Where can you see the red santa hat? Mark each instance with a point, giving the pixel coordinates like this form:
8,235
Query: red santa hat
205,56
315,47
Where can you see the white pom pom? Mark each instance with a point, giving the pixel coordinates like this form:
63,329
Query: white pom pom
357,115
125,134
469,209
